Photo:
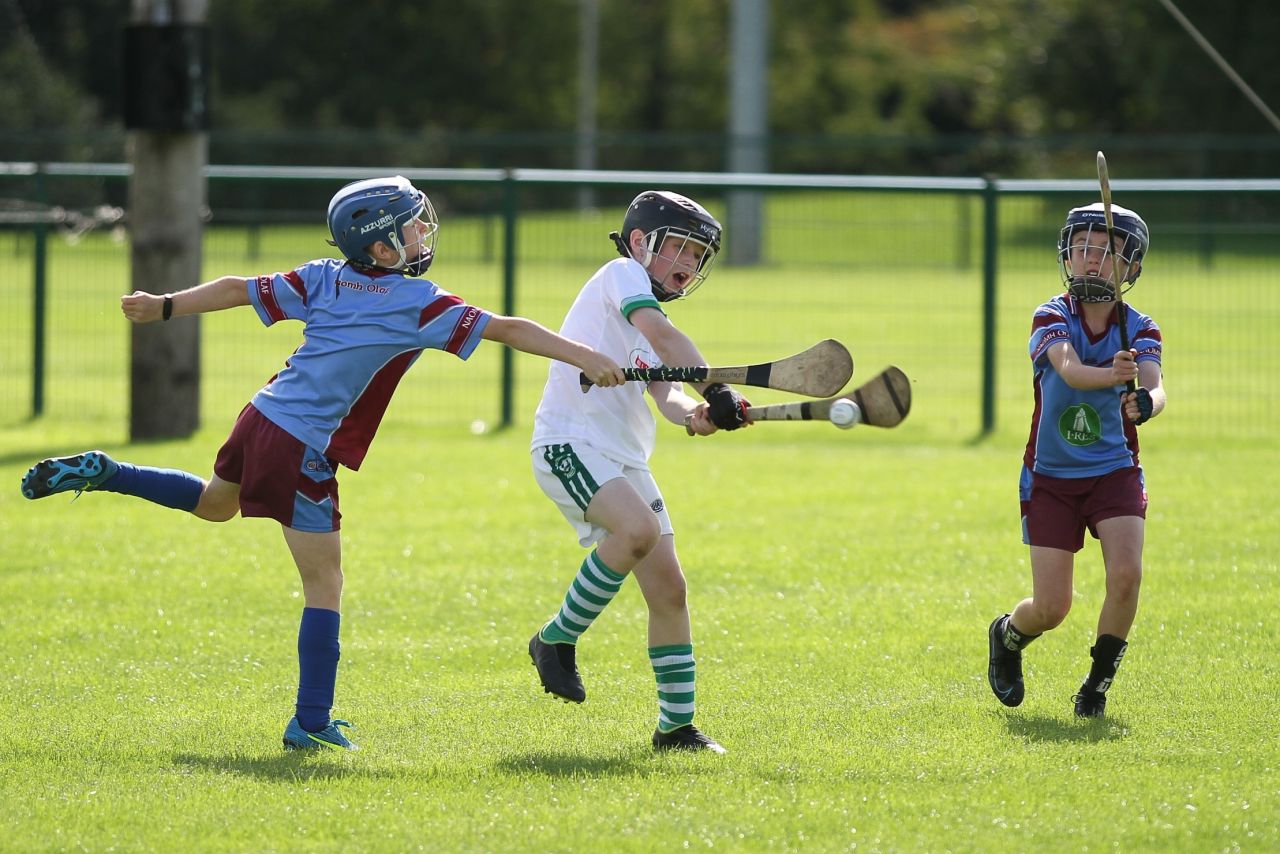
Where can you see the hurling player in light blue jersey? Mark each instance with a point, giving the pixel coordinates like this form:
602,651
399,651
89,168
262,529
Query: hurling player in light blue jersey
366,320
1080,468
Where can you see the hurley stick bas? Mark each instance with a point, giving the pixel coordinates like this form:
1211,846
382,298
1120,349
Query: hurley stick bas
819,371
883,401
1104,185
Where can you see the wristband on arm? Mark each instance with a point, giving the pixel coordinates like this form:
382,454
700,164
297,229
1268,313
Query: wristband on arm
1145,407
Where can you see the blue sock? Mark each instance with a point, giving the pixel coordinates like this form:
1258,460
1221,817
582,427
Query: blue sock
168,487
318,654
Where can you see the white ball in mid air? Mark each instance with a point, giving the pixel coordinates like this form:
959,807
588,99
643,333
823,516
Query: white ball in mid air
844,413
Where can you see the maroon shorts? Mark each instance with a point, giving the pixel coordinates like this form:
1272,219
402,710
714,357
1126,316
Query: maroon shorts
280,478
1058,509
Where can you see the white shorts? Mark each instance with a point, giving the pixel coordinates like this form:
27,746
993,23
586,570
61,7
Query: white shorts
572,475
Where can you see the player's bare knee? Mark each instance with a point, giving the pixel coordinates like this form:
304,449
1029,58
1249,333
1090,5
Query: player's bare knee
675,596
1124,582
1052,612
665,591
325,579
640,537
216,512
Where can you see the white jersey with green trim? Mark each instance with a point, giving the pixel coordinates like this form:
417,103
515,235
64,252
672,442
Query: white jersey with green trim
617,421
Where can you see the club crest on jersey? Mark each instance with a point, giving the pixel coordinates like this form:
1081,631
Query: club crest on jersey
642,359
1080,424
656,505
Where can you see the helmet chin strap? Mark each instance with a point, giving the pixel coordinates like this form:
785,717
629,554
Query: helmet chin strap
620,243
660,293
399,247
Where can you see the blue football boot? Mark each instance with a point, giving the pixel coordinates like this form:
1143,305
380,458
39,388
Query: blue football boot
81,473
297,738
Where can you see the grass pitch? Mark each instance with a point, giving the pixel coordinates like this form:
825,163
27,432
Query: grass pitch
841,584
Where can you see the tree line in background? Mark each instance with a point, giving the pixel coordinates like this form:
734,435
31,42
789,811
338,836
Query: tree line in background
888,86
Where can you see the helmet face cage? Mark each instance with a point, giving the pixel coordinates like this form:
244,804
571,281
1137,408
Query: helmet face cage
380,209
683,275
673,224
1127,249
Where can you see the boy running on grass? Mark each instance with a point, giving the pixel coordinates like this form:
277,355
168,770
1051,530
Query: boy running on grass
366,320
591,453
1080,469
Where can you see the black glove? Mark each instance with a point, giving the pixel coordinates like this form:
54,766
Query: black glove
1143,399
728,409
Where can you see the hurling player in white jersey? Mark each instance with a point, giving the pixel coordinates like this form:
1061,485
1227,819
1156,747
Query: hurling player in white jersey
1080,468
366,320
591,452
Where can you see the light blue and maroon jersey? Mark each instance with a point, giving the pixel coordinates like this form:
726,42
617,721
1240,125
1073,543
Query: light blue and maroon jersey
1078,433
363,331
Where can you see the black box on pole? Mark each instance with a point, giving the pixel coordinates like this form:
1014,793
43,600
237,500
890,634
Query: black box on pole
166,77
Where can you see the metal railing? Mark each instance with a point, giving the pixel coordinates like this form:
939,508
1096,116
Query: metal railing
513,197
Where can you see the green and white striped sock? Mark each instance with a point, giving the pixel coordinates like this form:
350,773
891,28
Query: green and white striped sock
674,668
592,589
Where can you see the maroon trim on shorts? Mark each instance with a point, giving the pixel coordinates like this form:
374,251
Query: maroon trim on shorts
1062,508
266,461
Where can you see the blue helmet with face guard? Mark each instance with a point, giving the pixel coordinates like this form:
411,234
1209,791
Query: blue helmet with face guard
1129,245
378,209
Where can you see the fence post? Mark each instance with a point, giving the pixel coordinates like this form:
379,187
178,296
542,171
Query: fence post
990,246
510,205
39,302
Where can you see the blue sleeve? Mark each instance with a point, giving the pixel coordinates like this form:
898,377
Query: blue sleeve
447,323
1048,327
284,296
1147,341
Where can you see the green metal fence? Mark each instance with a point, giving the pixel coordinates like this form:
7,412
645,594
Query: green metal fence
937,276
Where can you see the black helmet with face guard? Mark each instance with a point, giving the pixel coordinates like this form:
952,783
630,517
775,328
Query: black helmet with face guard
660,214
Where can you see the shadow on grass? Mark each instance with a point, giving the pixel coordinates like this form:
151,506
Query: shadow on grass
299,765
1049,728
574,764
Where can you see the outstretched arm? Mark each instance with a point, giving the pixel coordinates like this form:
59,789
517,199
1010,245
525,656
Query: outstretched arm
531,337
226,292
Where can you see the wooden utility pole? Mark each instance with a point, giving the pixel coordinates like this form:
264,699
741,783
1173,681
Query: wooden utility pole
166,112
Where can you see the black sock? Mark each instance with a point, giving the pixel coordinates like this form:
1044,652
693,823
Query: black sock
1107,654
1014,640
